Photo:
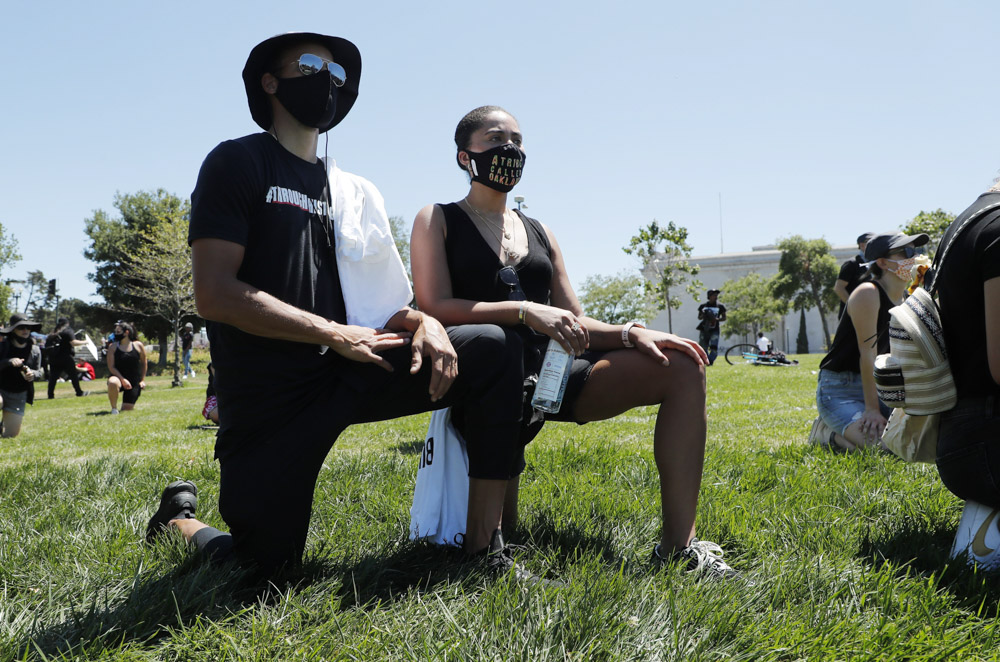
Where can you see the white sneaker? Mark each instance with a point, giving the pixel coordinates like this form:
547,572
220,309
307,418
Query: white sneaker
978,536
193,375
114,411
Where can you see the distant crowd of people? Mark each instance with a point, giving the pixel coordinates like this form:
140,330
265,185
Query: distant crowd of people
26,356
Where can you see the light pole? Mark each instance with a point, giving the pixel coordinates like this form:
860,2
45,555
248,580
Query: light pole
519,200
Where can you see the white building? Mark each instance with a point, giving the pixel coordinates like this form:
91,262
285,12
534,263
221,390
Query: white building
717,269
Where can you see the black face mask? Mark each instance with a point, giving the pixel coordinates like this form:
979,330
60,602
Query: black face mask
499,168
311,100
118,337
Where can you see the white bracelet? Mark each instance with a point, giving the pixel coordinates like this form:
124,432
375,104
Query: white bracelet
522,312
626,329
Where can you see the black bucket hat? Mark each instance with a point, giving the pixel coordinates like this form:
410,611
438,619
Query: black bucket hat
344,53
885,243
20,320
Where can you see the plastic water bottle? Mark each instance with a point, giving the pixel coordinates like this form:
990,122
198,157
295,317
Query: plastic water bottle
552,379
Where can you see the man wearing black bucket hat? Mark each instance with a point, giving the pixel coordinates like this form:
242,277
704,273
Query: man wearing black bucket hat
20,366
266,277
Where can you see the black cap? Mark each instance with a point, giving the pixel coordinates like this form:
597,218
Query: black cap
882,244
711,292
344,53
865,238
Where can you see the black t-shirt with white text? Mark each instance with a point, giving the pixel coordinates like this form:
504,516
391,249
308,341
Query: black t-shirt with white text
972,260
253,192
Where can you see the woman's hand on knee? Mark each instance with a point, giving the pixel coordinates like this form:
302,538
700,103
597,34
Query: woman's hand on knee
651,342
561,325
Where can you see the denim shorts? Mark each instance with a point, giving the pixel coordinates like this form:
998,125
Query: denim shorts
968,450
840,399
14,402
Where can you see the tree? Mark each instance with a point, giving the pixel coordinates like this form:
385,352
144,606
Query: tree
664,252
802,340
8,257
807,273
114,242
401,235
934,223
38,297
162,285
617,299
751,305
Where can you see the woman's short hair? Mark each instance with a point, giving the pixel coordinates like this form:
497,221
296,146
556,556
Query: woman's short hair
472,122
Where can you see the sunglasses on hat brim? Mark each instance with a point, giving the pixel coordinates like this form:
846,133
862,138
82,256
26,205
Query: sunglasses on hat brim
309,64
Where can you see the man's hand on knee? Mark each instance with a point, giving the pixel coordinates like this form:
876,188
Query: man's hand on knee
431,340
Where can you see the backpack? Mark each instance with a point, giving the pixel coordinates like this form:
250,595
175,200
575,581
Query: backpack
915,375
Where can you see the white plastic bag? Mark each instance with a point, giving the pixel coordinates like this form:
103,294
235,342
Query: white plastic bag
441,495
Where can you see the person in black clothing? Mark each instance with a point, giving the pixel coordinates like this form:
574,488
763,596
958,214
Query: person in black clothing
711,313
851,272
850,413
968,447
469,257
20,366
127,368
266,279
62,357
211,409
187,342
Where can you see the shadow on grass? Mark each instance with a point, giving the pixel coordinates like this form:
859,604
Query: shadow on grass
196,590
147,612
569,540
99,413
410,447
195,426
914,549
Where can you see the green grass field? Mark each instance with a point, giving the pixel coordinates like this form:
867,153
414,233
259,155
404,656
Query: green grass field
848,554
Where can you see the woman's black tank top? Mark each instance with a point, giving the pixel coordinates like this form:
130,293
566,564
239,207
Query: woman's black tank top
844,355
127,363
475,270
475,267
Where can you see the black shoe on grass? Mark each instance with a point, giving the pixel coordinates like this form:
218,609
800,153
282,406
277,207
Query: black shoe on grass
179,501
499,560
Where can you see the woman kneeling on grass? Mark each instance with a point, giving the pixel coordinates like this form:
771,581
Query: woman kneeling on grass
850,413
20,366
127,365
477,262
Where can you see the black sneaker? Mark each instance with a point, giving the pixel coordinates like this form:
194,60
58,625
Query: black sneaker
179,501
702,558
499,560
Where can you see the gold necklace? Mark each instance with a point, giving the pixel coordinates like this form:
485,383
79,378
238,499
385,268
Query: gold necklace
512,256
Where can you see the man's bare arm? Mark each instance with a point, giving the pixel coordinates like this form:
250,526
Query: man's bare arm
222,297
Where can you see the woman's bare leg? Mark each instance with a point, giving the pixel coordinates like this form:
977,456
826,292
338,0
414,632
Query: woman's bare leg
624,379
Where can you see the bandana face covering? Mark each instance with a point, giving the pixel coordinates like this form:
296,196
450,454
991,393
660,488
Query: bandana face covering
498,168
312,100
904,268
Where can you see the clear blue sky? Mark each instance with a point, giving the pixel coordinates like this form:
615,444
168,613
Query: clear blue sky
821,119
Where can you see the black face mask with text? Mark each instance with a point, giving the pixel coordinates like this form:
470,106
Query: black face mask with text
312,100
499,168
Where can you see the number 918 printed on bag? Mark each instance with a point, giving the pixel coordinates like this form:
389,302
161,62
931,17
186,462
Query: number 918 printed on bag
427,454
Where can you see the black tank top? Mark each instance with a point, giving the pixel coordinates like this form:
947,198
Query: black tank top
474,268
127,363
844,355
